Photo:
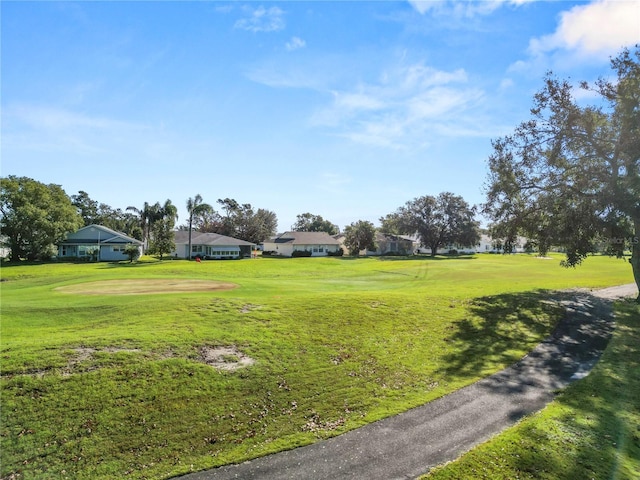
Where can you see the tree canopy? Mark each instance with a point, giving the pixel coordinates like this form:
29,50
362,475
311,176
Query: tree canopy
308,222
35,216
570,175
238,221
360,235
438,221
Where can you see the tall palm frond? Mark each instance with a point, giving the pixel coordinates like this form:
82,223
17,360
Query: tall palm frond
195,207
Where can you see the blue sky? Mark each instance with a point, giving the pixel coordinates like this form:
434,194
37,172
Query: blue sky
341,109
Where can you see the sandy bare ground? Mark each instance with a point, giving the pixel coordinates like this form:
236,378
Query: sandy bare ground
615,293
145,286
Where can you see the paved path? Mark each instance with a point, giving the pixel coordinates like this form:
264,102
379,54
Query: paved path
408,445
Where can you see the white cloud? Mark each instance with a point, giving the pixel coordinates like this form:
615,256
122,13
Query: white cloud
295,43
262,19
600,28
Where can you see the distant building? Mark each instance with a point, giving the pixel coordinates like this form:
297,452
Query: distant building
95,242
318,244
212,246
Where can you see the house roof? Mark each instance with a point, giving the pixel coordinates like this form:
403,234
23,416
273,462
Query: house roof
98,234
211,239
392,238
306,238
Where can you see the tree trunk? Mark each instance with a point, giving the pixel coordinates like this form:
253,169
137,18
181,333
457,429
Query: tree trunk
635,256
189,247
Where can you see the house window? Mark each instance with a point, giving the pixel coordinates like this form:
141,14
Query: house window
117,248
196,248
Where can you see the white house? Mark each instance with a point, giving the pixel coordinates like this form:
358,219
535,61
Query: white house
210,246
5,251
319,244
491,245
96,242
487,244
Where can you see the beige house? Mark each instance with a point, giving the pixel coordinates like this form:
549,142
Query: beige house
210,246
318,244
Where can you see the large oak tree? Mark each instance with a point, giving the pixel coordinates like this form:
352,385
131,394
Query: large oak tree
438,221
34,217
308,222
570,175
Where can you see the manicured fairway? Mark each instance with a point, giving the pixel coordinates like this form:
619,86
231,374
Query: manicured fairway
105,385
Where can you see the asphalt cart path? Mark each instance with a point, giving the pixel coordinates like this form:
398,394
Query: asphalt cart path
410,444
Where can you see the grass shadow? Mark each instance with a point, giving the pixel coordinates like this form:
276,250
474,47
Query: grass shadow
591,430
404,258
497,329
126,264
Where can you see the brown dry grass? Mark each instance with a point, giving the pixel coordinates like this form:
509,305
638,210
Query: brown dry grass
145,286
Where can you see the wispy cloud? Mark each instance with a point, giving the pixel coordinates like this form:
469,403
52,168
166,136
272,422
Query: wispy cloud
315,73
404,109
333,183
52,118
261,19
35,127
462,8
295,43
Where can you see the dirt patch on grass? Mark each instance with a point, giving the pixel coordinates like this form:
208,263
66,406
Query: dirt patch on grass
87,354
147,286
225,358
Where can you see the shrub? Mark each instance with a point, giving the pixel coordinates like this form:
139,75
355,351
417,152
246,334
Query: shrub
337,253
301,253
132,251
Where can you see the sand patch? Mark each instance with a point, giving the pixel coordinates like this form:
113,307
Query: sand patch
147,286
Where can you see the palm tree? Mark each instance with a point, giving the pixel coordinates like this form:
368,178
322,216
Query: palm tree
169,212
145,213
196,207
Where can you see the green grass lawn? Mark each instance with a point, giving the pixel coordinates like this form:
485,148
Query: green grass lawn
113,386
592,429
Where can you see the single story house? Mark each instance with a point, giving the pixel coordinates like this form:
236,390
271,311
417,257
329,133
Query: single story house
387,243
491,245
319,244
210,246
5,251
95,242
487,244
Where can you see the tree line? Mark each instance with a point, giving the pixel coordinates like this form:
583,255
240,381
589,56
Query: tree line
568,176
35,216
